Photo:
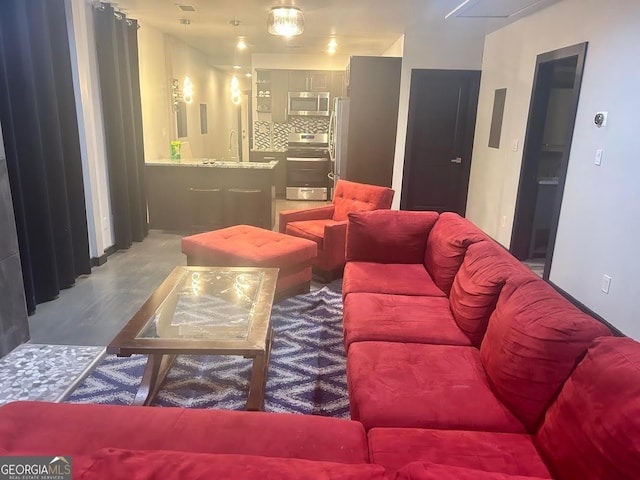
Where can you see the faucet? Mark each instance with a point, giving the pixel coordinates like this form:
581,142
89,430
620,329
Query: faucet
231,144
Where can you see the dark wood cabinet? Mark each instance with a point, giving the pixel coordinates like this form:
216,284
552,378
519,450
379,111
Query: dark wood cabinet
298,80
338,87
263,91
280,170
279,91
170,193
319,81
309,80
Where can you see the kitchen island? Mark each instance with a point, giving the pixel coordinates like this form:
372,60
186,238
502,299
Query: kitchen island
200,194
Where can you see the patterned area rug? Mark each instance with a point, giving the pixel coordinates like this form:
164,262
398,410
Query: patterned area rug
306,370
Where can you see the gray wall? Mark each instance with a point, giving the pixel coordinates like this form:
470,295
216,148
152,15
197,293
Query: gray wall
14,328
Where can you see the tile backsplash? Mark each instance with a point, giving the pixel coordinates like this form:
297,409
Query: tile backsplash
264,131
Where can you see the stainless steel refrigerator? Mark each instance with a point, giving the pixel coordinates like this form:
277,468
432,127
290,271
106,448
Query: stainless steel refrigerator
338,139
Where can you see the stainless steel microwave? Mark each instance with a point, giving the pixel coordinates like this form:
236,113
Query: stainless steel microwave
308,104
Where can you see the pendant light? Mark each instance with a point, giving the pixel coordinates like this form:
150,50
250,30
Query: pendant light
285,21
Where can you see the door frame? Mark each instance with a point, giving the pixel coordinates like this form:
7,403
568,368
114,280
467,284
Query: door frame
526,200
417,74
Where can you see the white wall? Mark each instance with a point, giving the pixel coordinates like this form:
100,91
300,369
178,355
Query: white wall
298,61
396,49
162,58
90,125
598,227
430,48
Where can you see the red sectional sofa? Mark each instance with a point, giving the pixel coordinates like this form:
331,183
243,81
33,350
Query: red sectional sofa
458,355
461,364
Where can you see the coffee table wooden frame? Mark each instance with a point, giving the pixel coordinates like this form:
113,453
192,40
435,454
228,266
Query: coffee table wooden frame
161,352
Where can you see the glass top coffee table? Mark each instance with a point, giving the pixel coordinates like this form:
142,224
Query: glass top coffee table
203,311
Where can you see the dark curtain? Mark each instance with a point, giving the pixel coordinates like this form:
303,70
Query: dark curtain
117,49
38,116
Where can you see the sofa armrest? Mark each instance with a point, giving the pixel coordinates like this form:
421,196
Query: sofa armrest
318,213
335,237
388,236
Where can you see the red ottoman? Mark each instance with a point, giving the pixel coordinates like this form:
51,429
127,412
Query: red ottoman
247,246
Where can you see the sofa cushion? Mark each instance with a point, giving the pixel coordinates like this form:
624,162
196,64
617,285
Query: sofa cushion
423,386
592,430
507,453
390,278
446,246
534,340
112,463
474,293
388,236
431,471
352,196
77,429
400,318
310,229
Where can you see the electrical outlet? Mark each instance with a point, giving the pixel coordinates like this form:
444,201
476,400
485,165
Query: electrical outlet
105,223
503,221
606,284
514,145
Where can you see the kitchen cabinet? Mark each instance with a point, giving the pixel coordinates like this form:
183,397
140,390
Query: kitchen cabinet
338,87
170,187
309,80
279,91
263,91
280,170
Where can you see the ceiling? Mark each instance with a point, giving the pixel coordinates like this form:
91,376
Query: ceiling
361,27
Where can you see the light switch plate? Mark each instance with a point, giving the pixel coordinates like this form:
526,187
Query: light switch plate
514,145
598,157
606,284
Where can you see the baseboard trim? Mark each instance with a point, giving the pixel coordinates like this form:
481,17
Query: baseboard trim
586,309
102,259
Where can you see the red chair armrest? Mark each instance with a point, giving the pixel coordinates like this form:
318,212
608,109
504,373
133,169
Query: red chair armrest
317,213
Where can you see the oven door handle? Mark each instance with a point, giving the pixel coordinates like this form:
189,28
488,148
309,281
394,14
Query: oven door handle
299,159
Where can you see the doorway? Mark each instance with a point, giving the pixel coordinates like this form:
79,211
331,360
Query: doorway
552,114
441,125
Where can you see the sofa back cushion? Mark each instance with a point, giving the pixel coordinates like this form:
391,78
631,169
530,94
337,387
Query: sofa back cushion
534,340
359,197
592,430
110,463
485,269
447,243
388,236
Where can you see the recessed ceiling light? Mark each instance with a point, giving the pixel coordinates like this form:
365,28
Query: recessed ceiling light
248,75
237,67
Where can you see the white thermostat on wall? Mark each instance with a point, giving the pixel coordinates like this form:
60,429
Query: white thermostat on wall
600,119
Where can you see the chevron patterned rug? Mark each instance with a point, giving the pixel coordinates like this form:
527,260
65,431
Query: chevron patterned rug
306,370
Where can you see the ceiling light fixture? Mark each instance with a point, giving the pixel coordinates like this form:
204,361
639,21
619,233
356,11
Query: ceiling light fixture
242,44
285,21
332,46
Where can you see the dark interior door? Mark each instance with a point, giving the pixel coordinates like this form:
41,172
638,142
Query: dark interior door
441,124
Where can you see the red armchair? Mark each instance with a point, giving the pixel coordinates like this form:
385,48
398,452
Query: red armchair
327,225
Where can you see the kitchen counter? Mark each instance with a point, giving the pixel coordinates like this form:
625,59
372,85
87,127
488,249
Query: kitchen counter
173,204
214,164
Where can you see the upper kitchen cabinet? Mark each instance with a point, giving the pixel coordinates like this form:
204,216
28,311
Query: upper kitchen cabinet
263,91
309,81
279,90
338,87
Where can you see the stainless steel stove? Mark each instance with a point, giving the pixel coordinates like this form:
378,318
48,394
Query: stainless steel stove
308,166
